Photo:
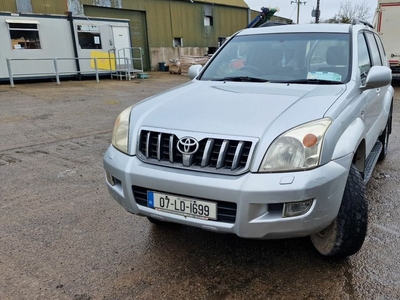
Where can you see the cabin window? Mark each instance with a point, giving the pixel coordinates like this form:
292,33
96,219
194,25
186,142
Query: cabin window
89,36
24,35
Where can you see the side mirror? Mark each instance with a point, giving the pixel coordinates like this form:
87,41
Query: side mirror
378,76
194,71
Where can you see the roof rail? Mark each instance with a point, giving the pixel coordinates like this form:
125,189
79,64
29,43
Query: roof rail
358,21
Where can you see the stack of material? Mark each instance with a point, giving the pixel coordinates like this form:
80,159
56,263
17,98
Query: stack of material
187,61
174,66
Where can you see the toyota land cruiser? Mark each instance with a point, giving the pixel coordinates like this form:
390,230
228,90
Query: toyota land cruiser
275,137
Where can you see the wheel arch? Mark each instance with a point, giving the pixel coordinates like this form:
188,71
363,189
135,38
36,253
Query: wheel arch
352,141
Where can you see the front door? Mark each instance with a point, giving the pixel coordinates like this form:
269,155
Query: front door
122,45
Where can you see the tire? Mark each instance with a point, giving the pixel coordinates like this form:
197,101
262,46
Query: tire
156,222
159,223
346,234
384,137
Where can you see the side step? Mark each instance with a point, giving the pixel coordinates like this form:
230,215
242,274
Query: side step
371,161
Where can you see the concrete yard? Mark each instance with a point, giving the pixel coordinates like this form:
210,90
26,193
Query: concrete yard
63,237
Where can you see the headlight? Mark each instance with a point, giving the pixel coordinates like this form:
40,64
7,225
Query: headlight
296,149
121,130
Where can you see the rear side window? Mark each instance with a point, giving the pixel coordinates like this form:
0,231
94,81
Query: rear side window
375,55
381,50
364,62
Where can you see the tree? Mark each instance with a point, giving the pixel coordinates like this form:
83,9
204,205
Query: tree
348,12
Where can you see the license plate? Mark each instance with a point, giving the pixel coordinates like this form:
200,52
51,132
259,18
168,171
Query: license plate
182,206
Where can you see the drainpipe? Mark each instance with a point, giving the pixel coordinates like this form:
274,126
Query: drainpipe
71,22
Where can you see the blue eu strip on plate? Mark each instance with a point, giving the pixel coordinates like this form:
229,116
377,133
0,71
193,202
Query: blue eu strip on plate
150,199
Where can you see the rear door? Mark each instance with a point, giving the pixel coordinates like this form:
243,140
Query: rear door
370,55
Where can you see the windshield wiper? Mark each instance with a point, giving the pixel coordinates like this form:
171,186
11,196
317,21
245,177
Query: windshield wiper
312,81
243,79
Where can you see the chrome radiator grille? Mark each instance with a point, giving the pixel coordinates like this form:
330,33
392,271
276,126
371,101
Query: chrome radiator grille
216,155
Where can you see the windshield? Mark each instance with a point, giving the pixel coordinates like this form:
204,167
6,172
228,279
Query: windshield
321,58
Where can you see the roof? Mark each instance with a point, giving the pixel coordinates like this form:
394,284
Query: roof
295,28
236,3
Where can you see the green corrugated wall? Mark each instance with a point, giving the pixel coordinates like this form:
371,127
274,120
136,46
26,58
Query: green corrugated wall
49,6
38,6
169,19
8,5
166,19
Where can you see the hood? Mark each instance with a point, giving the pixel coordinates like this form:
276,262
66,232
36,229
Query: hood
232,108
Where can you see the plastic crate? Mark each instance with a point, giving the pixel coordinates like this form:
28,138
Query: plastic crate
142,75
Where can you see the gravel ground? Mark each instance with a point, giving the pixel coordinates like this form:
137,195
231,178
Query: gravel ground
63,237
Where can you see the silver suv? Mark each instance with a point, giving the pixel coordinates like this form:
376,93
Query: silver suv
275,137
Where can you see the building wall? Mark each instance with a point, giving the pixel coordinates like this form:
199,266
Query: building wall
35,6
169,20
8,5
48,6
156,23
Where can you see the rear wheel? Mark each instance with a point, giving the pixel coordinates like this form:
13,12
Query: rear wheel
346,234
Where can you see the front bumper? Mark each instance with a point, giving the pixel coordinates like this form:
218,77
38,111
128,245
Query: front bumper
253,193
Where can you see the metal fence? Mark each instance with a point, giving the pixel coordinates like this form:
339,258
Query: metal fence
56,72
127,61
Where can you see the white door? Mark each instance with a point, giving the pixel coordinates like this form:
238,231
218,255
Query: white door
122,45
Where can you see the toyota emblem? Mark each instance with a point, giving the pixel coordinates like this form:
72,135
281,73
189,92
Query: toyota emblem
187,145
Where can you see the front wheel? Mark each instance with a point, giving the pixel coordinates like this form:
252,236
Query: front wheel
156,222
160,223
346,234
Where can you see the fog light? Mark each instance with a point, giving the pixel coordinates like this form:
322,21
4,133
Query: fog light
296,208
110,179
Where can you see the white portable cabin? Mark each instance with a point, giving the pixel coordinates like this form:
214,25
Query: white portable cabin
37,46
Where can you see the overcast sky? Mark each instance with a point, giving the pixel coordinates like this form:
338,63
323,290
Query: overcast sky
287,9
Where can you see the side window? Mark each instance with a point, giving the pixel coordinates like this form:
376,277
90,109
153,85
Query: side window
373,47
24,35
364,62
